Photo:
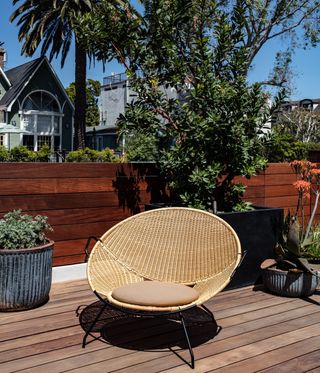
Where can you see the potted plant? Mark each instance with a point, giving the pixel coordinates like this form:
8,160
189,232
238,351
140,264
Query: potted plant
25,261
292,272
192,98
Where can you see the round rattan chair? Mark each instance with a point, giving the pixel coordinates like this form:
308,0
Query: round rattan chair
172,245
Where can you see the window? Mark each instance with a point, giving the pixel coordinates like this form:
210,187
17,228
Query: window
56,145
1,140
41,117
43,140
41,101
28,141
44,124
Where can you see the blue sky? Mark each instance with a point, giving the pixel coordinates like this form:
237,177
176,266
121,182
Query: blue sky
305,64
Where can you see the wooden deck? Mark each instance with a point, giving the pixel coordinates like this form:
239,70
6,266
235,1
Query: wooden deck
260,332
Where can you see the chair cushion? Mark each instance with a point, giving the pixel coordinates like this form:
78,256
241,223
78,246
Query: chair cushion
155,293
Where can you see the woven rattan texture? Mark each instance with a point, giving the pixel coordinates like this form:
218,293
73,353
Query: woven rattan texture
179,245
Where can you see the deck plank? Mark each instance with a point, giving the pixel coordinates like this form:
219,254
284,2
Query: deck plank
260,332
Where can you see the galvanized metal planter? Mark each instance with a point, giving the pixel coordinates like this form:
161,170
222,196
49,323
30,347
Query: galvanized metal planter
290,284
25,277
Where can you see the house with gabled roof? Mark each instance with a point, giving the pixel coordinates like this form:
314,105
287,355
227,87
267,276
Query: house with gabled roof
34,107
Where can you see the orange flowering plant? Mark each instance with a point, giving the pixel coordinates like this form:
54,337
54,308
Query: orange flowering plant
300,236
300,239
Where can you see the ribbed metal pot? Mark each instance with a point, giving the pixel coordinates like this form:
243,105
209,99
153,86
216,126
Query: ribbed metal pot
290,284
25,277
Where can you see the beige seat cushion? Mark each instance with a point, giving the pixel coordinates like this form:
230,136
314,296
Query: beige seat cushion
155,293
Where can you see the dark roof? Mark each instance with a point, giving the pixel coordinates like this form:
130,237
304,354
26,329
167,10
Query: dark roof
297,102
18,76
101,130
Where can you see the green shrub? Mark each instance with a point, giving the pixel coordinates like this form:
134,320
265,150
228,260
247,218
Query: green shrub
107,155
22,154
284,148
43,155
140,147
90,155
83,155
313,145
21,231
4,154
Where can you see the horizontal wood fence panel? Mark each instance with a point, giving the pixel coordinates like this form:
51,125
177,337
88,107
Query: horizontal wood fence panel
255,192
76,185
68,260
278,168
86,199
85,215
73,170
80,199
280,190
280,179
71,247
282,201
45,202
257,180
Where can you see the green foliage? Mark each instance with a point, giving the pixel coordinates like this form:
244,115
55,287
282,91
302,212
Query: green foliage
21,231
50,26
187,61
203,50
83,155
301,123
22,154
140,147
4,154
107,155
90,155
284,148
92,94
313,146
43,155
313,250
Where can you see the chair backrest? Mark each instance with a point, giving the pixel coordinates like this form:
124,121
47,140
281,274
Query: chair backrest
174,244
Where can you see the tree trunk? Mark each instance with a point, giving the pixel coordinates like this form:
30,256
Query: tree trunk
80,101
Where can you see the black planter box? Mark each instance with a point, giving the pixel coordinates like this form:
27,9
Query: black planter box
258,231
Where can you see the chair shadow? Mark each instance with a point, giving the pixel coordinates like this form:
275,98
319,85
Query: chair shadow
145,333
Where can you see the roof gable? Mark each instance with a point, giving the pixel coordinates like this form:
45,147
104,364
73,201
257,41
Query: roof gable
19,78
5,78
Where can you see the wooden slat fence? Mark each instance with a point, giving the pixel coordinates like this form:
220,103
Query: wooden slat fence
273,187
80,200
85,199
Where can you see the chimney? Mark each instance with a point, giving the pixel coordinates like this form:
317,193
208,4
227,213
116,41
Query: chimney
3,57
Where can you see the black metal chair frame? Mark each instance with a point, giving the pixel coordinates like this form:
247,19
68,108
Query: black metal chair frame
145,314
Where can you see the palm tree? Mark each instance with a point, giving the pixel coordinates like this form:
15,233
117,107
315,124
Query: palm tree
50,23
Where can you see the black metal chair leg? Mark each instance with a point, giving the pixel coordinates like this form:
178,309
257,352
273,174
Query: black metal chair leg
92,325
208,312
187,338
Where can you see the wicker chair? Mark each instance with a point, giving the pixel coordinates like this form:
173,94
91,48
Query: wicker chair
172,245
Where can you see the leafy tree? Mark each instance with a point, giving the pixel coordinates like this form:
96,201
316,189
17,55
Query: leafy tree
296,20
92,95
301,123
51,24
214,118
203,50
263,21
283,147
140,147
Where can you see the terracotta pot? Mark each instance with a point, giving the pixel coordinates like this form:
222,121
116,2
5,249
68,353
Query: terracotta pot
25,277
290,284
